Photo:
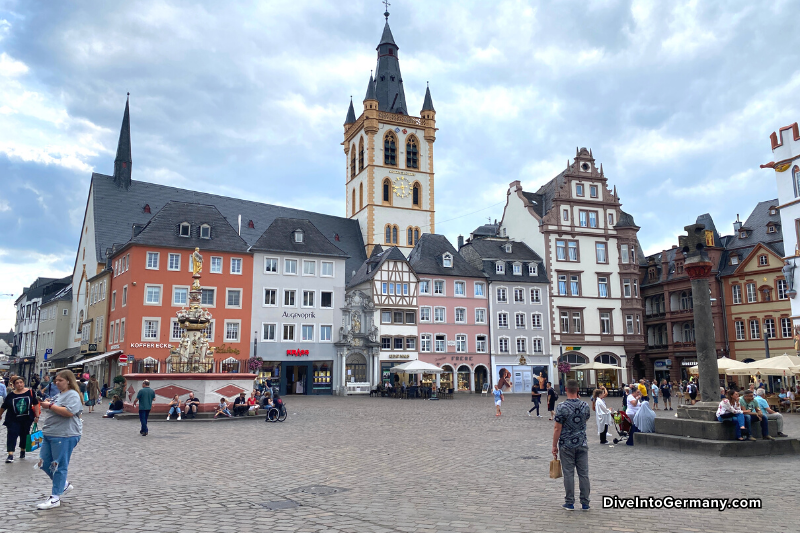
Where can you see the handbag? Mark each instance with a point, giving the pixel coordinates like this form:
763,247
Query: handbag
34,439
555,469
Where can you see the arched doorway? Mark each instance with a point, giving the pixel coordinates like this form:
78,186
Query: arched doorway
356,368
575,359
607,378
481,377
463,376
446,377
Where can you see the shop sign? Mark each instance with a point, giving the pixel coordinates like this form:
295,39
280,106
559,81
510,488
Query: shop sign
451,343
689,363
299,315
572,348
92,347
296,353
398,356
114,347
663,363
150,345
464,358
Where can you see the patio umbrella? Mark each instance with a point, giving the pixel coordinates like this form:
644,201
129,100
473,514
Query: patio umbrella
774,366
724,364
416,367
795,369
594,365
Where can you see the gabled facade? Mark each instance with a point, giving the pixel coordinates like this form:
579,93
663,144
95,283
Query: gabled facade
389,158
95,339
298,289
785,145
453,315
518,309
386,286
668,311
54,330
591,252
27,324
151,278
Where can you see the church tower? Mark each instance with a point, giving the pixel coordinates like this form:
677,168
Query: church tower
389,155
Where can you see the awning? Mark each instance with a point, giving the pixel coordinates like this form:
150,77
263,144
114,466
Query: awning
96,358
416,367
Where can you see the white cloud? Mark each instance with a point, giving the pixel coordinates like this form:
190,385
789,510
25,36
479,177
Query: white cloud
10,67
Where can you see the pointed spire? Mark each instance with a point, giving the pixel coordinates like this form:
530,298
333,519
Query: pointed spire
123,161
388,79
590,153
576,151
567,164
427,105
370,89
387,37
615,191
351,113
601,169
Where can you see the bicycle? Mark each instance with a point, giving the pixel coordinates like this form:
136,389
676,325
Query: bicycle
277,413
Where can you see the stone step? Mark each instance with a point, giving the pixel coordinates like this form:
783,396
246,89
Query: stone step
698,413
705,429
720,448
201,417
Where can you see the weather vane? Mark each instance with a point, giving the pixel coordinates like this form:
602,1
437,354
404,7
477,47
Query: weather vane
386,14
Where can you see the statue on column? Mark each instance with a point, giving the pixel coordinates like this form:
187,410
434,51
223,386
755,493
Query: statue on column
197,262
788,275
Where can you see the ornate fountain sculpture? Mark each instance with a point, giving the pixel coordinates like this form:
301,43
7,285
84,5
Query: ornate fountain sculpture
193,353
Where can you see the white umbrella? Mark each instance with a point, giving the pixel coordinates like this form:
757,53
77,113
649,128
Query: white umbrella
416,367
723,363
795,369
774,366
594,365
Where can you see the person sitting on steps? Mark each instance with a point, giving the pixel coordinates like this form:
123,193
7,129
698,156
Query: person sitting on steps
191,406
174,407
240,407
222,408
751,410
768,412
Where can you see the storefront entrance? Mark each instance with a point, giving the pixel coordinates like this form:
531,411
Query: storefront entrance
296,378
313,377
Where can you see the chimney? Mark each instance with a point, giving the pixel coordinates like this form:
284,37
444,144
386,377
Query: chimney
737,225
460,242
240,225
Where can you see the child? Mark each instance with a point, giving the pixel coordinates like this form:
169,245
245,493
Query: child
498,398
222,408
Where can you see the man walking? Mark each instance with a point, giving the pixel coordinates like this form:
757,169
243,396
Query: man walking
144,398
569,437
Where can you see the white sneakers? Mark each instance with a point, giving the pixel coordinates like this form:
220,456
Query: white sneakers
179,417
168,416
68,488
49,503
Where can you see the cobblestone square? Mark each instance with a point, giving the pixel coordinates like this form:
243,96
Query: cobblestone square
380,465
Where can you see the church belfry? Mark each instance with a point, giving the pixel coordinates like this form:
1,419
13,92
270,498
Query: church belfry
389,158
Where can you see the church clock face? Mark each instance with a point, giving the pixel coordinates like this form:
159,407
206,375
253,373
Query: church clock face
401,187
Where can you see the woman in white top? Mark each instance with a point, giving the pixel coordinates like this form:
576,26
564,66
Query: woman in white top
602,412
729,409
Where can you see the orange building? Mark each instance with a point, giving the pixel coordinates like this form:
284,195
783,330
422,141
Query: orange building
152,275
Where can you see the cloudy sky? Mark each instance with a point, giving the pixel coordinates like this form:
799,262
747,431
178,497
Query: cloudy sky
676,99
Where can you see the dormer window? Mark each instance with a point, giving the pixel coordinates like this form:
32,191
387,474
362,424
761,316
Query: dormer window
500,267
205,231
771,229
447,261
742,234
298,236
734,259
773,211
517,269
508,248
532,269
185,229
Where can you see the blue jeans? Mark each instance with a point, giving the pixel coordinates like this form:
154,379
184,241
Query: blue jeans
55,455
112,412
738,422
143,419
633,430
748,420
174,411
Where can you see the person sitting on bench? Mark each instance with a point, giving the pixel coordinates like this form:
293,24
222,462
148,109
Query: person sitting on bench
222,408
752,412
191,406
240,406
729,409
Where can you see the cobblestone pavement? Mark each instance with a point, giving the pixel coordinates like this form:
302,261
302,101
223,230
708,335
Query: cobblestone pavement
398,465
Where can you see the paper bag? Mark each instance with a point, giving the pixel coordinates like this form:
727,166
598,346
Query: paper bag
555,469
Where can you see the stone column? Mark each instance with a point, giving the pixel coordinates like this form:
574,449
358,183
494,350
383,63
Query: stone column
698,268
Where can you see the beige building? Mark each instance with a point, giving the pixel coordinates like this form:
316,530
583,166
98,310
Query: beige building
54,329
93,334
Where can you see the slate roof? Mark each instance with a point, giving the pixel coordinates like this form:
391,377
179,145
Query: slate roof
369,267
427,104
163,229
388,80
537,201
279,237
756,224
351,114
64,294
8,337
45,287
428,255
548,191
625,220
116,210
486,252
370,90
487,230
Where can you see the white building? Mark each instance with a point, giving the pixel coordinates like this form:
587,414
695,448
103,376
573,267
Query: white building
591,254
786,152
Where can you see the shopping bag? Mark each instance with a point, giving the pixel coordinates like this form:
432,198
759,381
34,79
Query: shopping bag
34,439
555,469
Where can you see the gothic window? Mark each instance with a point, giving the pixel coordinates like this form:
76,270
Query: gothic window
387,191
360,196
354,201
415,195
410,236
361,154
394,234
390,150
411,152
388,234
416,234
353,161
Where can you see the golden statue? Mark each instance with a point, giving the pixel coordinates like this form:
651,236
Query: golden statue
197,262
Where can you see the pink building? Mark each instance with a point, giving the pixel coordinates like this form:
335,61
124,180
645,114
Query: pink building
453,315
